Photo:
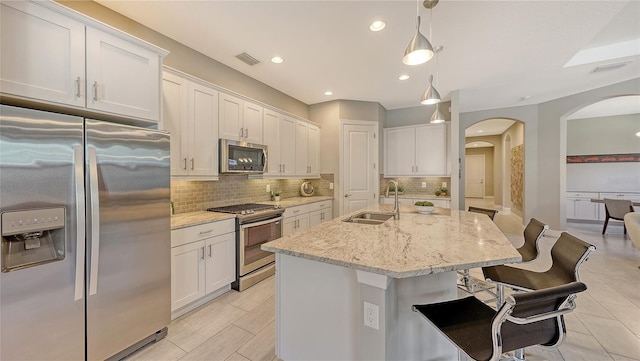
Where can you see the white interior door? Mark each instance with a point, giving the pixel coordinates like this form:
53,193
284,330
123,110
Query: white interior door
474,176
359,182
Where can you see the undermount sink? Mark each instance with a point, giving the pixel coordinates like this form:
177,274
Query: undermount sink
369,218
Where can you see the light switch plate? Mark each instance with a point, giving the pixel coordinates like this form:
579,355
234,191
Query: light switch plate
424,184
330,185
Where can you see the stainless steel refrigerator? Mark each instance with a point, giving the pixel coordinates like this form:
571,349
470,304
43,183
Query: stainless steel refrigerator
85,221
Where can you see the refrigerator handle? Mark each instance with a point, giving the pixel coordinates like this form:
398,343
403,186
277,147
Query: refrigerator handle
78,168
95,221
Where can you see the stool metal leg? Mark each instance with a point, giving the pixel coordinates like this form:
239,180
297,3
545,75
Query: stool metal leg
499,295
519,355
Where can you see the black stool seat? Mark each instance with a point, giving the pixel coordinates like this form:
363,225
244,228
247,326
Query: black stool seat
526,319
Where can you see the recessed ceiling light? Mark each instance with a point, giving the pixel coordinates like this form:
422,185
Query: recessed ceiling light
638,134
403,77
526,97
480,131
277,60
328,92
377,25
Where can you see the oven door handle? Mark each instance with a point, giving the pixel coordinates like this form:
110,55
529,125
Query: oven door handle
261,223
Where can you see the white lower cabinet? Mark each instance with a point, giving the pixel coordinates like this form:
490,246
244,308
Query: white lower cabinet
302,217
203,260
579,206
443,203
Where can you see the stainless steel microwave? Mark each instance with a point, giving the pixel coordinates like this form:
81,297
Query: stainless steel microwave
242,157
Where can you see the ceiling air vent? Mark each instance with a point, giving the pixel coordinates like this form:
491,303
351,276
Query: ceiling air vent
607,67
248,59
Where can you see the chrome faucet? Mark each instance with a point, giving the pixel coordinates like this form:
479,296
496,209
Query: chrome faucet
396,207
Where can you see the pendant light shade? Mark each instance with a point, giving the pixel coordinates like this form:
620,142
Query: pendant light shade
419,50
431,95
437,116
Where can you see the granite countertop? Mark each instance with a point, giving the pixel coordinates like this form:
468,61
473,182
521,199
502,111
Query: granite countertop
414,245
416,195
183,220
195,218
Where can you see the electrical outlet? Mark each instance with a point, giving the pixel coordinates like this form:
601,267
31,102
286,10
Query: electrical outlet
371,315
424,184
330,185
268,188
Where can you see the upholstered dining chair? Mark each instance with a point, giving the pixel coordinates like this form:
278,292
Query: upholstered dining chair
616,209
632,222
525,319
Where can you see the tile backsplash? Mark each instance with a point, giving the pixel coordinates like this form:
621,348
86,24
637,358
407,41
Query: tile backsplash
191,196
414,185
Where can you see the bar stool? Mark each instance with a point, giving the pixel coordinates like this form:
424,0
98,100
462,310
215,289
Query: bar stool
467,283
525,319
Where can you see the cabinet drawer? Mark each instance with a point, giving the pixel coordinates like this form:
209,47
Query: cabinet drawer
582,194
296,211
190,234
320,205
635,197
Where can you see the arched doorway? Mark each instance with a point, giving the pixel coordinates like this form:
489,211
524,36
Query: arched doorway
504,180
602,156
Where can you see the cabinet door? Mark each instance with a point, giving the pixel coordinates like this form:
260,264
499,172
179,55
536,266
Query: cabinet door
221,261
288,146
399,152
585,209
303,222
122,78
51,67
203,130
187,274
571,208
302,148
431,152
314,150
271,123
174,120
315,218
327,214
288,226
230,118
253,124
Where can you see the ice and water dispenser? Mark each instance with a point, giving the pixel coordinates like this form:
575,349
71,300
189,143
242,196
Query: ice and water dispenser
32,237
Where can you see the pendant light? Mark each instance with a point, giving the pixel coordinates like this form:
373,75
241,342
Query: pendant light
431,95
437,116
419,50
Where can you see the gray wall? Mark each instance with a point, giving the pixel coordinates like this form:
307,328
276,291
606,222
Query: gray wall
192,62
415,115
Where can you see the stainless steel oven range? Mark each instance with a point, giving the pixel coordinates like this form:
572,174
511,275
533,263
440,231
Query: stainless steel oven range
255,224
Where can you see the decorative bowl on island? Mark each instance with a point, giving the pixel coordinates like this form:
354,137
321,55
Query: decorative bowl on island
424,207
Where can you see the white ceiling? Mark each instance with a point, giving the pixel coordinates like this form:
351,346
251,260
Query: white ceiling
494,126
609,107
495,52
478,145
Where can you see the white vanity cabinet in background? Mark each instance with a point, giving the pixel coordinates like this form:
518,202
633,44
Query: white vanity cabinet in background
75,61
579,206
203,262
416,151
240,120
190,114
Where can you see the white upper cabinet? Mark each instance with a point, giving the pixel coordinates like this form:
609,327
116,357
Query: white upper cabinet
54,55
51,68
240,120
307,150
280,139
416,151
190,114
122,78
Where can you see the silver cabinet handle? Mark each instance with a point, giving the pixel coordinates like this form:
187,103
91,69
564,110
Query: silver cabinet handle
416,169
78,166
284,168
347,195
185,164
241,132
209,251
95,91
191,163
78,85
202,249
205,232
246,132
95,221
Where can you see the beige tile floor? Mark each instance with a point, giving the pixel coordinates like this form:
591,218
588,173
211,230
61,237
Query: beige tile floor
605,325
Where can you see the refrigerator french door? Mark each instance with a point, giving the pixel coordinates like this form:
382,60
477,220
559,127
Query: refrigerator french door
85,221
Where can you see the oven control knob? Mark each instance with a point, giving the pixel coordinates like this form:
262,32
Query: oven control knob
249,211
243,212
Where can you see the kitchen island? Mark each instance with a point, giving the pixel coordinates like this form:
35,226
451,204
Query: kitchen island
326,274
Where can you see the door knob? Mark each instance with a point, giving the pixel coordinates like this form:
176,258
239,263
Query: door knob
347,195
